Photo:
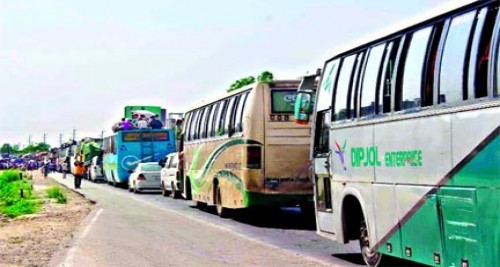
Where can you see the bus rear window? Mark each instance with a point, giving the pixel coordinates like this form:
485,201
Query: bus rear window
282,101
145,136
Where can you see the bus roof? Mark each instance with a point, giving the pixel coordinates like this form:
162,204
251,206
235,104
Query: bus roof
406,25
274,84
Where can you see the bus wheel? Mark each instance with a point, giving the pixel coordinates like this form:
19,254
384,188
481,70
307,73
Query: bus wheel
187,190
164,191
370,257
221,211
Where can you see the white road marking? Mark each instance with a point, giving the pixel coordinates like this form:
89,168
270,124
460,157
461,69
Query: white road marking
68,262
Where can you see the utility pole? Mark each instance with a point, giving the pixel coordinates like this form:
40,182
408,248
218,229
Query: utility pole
60,139
29,140
74,134
102,134
44,138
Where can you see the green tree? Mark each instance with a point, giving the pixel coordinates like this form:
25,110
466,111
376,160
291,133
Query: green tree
6,148
40,147
265,76
241,83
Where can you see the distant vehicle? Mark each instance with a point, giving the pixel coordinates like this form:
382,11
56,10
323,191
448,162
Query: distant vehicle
406,147
171,175
146,176
124,150
243,150
96,170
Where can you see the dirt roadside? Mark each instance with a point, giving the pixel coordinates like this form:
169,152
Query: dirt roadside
31,240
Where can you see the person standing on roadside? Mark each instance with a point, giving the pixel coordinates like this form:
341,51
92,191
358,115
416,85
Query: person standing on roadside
46,169
79,169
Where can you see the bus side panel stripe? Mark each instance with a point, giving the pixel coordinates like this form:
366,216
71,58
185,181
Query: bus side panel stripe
485,154
198,181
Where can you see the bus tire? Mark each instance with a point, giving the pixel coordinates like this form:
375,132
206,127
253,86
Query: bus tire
221,211
187,190
371,258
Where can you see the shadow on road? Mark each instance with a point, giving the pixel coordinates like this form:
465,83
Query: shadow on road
387,261
278,218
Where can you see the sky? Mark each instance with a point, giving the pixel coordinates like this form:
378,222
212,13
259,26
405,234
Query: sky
68,64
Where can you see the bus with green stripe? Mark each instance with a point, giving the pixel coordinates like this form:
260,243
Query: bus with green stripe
243,150
405,143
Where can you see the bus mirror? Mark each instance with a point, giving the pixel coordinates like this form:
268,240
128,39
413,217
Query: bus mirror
303,108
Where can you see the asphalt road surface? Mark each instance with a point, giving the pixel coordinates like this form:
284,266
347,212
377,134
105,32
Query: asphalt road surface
147,229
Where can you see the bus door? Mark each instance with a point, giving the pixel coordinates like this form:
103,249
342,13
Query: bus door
322,155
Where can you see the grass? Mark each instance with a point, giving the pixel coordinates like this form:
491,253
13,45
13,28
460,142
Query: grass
12,203
57,193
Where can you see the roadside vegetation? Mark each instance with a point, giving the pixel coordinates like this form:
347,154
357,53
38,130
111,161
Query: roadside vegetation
57,193
16,195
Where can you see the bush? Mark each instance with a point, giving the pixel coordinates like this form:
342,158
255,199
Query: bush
12,203
57,193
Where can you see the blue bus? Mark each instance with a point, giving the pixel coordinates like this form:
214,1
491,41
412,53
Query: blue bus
125,149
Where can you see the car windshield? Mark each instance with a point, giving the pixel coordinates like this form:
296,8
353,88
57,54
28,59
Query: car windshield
150,167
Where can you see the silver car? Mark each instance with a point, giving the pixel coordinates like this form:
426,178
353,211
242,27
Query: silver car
145,177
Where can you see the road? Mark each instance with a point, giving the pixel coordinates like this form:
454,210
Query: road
148,229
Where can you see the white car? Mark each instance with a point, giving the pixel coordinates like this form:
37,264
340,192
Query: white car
145,177
95,169
170,176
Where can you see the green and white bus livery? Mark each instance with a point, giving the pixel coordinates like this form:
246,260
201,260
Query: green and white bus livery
406,147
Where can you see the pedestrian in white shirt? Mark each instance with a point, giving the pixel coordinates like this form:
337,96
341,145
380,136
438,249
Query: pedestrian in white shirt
142,123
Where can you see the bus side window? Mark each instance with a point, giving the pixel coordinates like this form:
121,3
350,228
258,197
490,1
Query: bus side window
237,104
430,65
384,98
193,124
356,84
199,123
219,120
478,72
113,144
187,124
239,113
204,122
452,87
211,118
228,116
409,95
496,75
322,134
369,84
341,91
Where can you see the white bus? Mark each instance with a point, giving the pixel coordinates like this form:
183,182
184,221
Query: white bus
406,151
243,150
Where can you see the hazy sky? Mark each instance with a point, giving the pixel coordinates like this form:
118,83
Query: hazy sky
71,64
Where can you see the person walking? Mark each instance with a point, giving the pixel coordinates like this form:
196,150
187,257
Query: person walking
79,169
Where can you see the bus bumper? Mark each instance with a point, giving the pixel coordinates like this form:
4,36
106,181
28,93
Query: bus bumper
252,199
